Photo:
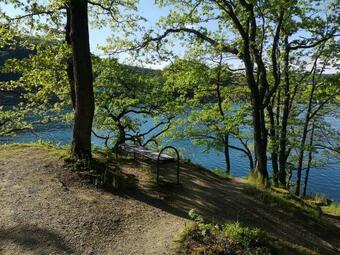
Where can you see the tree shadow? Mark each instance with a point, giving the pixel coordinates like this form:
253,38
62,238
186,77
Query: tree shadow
221,200
35,239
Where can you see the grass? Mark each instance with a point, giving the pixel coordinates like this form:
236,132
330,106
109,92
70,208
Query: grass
256,180
200,237
61,151
333,209
284,201
222,173
297,211
317,199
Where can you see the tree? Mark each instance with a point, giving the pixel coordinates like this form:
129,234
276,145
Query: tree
126,98
42,95
207,115
253,32
12,118
83,80
320,93
46,19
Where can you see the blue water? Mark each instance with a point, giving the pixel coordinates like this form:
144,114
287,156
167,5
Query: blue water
324,180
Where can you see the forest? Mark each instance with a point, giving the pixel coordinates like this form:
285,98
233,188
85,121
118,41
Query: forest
254,81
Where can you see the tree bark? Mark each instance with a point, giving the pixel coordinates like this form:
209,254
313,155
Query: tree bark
272,133
310,157
69,68
303,139
219,102
260,141
83,80
226,153
259,122
284,122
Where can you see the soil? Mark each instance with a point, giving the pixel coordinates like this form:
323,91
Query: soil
47,209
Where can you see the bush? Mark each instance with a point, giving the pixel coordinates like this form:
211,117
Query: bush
244,236
202,237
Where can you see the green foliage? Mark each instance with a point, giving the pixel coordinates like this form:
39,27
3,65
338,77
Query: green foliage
244,236
13,121
203,101
201,237
124,97
42,86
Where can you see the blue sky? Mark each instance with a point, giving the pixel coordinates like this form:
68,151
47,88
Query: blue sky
146,9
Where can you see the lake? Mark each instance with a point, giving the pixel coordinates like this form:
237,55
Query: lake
324,180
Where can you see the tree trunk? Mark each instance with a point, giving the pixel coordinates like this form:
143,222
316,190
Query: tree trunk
226,153
260,142
303,141
69,68
272,133
284,122
259,122
83,80
310,156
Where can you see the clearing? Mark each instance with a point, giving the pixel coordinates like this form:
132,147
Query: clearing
47,209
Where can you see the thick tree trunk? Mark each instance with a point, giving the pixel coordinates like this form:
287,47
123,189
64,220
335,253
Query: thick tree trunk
259,122
260,142
83,80
121,136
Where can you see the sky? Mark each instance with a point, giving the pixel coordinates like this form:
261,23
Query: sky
152,13
146,8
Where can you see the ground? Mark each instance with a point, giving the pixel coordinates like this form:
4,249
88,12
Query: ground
47,209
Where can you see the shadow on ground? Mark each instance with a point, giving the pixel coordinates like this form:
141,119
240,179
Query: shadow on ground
35,239
221,200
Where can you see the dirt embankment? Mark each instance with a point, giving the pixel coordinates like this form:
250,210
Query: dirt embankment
46,209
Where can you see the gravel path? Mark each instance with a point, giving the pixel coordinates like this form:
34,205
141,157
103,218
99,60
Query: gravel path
46,209
39,214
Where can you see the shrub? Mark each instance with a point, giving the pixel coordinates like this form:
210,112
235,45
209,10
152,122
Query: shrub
202,237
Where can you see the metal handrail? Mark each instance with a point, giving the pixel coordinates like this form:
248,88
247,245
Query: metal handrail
159,155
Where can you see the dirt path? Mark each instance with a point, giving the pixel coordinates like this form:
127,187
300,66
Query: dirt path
45,209
41,215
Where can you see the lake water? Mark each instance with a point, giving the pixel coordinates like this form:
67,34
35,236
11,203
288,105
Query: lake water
324,180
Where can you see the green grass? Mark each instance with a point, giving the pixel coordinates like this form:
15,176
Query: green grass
284,201
222,173
254,179
58,150
201,237
332,209
294,209
317,199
